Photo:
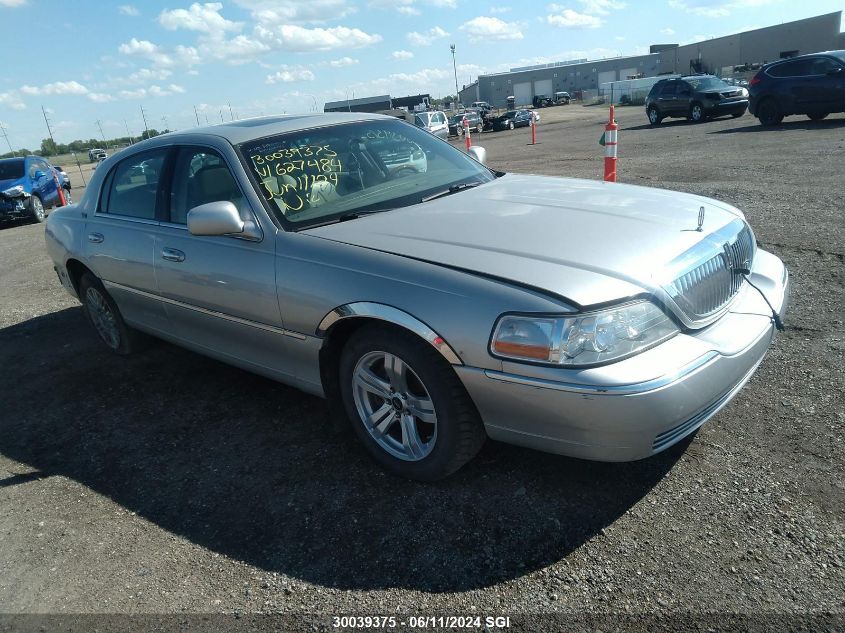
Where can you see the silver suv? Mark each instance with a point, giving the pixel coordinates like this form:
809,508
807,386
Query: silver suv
434,122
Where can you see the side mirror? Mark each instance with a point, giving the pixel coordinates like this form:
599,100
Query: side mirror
835,71
478,153
215,218
39,174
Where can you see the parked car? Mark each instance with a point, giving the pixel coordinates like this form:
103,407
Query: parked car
696,97
432,310
536,115
456,122
512,119
28,186
482,106
96,154
562,98
813,85
542,101
434,122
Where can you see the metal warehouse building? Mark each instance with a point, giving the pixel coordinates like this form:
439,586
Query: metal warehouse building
719,56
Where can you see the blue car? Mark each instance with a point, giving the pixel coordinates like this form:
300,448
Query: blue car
28,186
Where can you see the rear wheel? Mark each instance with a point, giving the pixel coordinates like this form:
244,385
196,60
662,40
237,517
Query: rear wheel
68,197
736,115
654,116
511,125
102,312
407,405
479,128
817,116
769,113
36,208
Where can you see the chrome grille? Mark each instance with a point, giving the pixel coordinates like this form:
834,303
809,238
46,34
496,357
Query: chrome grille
708,287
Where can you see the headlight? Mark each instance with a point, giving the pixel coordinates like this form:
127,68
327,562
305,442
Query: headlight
17,190
745,92
582,339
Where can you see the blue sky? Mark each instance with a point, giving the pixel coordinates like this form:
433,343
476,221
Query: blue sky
96,60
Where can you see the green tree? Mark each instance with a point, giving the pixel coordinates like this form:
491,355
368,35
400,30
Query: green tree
48,147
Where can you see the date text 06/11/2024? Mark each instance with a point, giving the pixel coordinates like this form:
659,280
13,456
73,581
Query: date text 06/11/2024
421,621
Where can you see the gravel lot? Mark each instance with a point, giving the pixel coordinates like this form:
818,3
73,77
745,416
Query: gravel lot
170,483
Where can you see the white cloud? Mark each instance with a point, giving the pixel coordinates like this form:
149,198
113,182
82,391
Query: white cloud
290,74
497,10
128,9
12,100
296,11
667,31
426,38
12,3
408,10
56,88
402,55
152,91
149,74
296,38
601,7
147,50
568,18
343,61
485,28
198,17
100,97
715,8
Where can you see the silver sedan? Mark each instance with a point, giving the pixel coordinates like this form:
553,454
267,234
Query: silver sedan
433,301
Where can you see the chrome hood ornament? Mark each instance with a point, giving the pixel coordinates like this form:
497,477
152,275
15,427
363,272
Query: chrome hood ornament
700,218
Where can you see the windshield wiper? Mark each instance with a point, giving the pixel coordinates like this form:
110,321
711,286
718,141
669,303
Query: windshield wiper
453,189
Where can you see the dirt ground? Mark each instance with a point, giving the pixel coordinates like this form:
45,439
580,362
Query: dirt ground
170,483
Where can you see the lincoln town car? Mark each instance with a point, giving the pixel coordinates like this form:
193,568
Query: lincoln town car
435,302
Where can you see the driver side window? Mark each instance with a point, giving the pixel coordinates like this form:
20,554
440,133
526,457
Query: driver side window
201,176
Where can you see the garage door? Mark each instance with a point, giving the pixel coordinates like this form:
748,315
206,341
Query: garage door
522,93
543,87
609,75
627,73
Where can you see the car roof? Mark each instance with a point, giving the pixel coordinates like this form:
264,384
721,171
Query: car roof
837,54
244,130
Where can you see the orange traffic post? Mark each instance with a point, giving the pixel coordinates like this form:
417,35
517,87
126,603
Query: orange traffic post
533,130
467,134
62,199
610,136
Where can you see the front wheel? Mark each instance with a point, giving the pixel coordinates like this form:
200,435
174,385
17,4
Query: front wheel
68,196
817,116
407,405
511,125
36,208
654,117
736,115
479,128
696,113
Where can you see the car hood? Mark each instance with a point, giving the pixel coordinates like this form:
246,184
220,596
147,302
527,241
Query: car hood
587,241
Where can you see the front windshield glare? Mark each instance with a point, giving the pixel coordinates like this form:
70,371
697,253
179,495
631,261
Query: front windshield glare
325,174
708,83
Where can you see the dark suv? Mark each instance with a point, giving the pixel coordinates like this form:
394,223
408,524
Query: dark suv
456,122
810,84
697,97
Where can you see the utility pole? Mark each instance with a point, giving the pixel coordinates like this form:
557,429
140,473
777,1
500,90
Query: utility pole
231,114
164,120
196,114
47,121
101,133
455,68
8,142
128,133
144,116
221,116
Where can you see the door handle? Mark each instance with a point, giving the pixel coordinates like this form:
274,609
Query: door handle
95,238
172,255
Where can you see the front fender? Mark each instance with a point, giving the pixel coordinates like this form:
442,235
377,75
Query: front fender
389,314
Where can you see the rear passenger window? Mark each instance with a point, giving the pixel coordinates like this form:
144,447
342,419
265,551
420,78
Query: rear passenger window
821,66
669,89
796,68
132,188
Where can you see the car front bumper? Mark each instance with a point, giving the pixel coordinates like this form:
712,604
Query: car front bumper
728,107
14,208
642,405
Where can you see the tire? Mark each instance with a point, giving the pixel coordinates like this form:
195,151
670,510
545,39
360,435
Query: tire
104,316
511,125
736,115
406,444
654,117
479,128
769,113
68,197
36,208
817,116
696,113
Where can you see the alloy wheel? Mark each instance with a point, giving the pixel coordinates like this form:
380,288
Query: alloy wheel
697,113
102,317
394,406
37,208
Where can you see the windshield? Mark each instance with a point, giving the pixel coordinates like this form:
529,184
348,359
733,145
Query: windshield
325,174
10,169
707,83
508,115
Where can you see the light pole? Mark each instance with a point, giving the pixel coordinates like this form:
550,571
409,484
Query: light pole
455,68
